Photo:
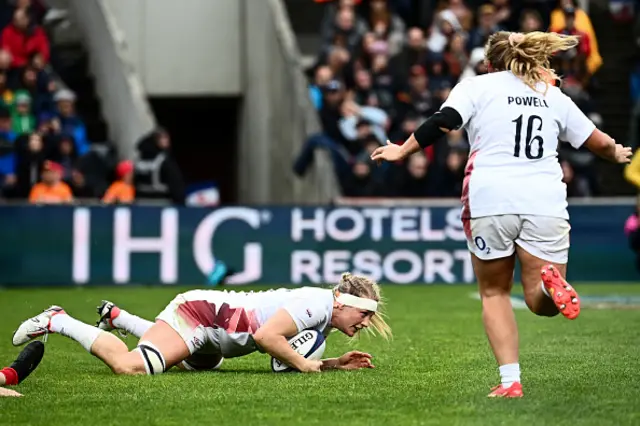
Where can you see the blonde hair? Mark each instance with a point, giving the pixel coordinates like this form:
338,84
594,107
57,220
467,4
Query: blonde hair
361,286
527,55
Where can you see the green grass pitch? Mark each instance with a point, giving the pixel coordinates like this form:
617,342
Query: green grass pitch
437,370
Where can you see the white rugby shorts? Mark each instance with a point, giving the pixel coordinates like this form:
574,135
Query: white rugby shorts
494,237
194,336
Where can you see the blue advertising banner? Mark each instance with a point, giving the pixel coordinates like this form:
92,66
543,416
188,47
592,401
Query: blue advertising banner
59,245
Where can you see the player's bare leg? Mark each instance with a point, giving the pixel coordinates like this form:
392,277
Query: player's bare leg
545,290
163,340
495,280
160,347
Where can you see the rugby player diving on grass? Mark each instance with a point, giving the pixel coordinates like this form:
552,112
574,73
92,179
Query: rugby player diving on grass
199,328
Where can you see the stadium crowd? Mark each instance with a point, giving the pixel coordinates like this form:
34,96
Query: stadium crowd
45,154
377,78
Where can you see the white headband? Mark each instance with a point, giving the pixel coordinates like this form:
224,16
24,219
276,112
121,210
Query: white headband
357,302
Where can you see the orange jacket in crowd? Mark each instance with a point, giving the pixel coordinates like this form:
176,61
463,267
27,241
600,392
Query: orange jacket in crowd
120,193
58,193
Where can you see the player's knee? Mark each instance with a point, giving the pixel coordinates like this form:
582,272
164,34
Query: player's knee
492,291
152,359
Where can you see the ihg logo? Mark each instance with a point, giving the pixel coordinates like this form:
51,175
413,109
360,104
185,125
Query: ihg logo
166,244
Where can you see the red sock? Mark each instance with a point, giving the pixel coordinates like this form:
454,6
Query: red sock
10,375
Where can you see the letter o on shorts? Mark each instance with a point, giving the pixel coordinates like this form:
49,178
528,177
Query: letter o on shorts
495,237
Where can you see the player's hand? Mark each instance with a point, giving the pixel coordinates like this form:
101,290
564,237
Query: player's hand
311,366
623,154
8,392
355,360
390,152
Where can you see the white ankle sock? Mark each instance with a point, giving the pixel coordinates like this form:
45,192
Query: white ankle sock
132,324
544,290
509,373
74,329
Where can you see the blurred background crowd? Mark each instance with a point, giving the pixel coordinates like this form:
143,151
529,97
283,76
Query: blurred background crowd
381,68
46,153
380,73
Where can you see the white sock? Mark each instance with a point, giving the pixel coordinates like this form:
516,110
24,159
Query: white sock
82,333
544,289
132,324
509,373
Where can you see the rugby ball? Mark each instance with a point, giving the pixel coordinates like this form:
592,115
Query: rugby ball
308,343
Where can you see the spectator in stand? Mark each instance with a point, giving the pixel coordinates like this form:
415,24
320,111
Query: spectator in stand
157,175
22,39
22,120
582,23
323,76
415,179
31,153
70,123
65,154
330,138
346,32
487,25
328,25
383,83
338,60
358,122
505,16
122,190
417,99
386,26
530,21
361,182
462,12
583,49
476,64
7,150
45,85
80,188
52,190
36,83
445,26
364,93
456,56
450,177
572,64
413,53
36,9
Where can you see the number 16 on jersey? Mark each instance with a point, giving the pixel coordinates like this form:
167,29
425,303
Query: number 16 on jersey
534,121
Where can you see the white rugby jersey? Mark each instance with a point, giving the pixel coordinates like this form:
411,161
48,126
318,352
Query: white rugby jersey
230,317
513,133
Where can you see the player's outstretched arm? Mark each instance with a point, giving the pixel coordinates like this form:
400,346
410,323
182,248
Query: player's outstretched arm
429,132
605,147
271,338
